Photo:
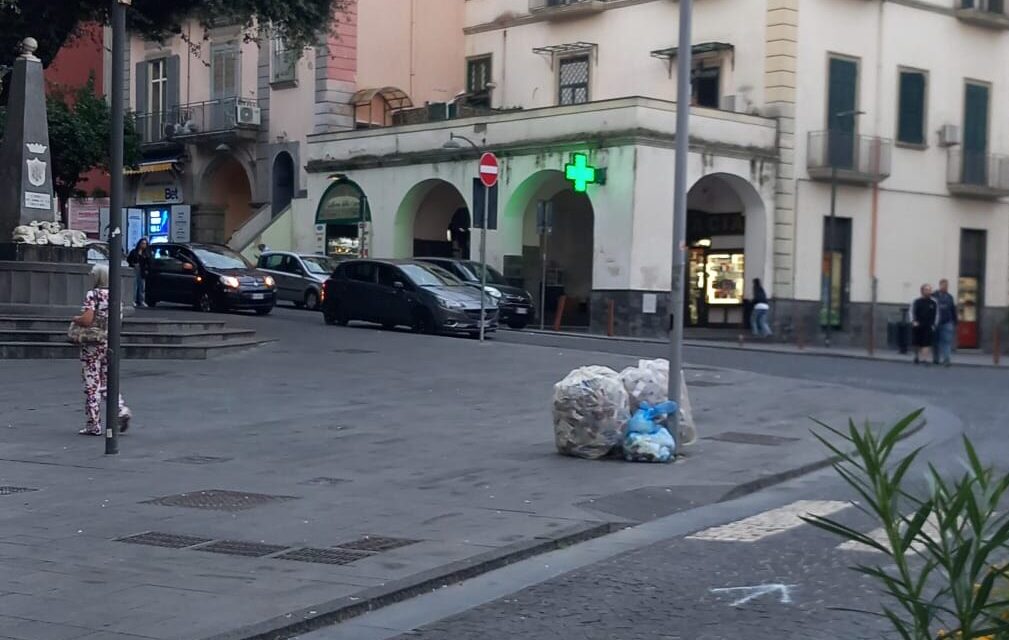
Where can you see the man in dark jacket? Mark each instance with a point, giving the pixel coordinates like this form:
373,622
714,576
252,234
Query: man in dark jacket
140,259
945,324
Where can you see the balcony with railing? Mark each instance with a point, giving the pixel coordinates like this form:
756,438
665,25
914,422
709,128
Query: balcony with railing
848,157
565,8
984,13
977,174
215,120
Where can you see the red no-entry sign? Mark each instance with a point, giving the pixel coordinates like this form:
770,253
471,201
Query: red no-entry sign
488,169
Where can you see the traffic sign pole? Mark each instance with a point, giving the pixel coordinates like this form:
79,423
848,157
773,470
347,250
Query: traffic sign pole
488,171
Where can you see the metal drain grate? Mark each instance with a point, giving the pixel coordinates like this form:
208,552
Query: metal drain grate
323,556
705,383
198,460
8,491
324,481
352,351
377,544
160,539
763,439
218,500
240,548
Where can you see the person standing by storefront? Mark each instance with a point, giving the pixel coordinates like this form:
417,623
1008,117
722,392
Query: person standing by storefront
761,309
924,311
945,325
140,260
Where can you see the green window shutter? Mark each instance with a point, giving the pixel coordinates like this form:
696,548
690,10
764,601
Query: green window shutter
911,110
842,91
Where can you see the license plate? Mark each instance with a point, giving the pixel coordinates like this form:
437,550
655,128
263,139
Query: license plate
522,311
259,296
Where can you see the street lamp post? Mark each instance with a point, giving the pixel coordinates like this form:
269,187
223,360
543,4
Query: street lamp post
453,143
118,99
829,318
676,289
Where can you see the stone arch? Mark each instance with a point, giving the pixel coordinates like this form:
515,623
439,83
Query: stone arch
433,219
226,188
284,182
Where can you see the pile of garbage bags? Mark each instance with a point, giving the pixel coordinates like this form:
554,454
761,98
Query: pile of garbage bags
598,412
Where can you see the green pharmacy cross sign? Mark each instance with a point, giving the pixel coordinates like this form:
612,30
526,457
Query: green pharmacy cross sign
580,173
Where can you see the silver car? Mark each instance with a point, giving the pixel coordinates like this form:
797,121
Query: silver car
299,276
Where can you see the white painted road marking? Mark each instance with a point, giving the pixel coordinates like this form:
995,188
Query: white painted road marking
930,528
785,591
770,522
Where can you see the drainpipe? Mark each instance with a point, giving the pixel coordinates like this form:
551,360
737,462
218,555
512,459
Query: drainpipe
413,28
874,280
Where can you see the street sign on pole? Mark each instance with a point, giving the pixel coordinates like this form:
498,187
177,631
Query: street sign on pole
545,226
481,193
488,169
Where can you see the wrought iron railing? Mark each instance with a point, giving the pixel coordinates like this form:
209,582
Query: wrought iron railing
857,157
544,5
978,171
212,116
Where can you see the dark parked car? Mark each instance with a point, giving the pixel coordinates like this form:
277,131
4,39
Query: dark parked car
210,277
415,294
515,305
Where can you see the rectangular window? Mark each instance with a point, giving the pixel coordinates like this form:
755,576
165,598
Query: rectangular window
705,83
842,98
157,94
975,133
478,76
224,72
573,80
911,107
285,61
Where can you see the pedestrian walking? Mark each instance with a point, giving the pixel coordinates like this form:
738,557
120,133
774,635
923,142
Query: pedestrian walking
945,325
90,331
140,259
924,312
761,309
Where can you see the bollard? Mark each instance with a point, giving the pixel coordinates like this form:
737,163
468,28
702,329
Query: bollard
610,312
799,338
996,351
741,339
560,312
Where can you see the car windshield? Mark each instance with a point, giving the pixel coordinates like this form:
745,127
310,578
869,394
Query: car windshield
473,270
428,275
220,258
318,264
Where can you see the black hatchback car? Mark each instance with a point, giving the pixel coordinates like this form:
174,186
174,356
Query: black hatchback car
415,294
210,277
515,305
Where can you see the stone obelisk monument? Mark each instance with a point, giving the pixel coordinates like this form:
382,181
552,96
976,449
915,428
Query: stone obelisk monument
26,176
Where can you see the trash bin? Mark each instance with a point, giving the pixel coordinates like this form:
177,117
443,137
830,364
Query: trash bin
898,334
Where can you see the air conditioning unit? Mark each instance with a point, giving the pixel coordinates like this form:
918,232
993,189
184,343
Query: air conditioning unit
949,135
248,115
727,103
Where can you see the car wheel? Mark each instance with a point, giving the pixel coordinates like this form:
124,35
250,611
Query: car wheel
518,324
334,316
263,312
422,322
312,300
205,303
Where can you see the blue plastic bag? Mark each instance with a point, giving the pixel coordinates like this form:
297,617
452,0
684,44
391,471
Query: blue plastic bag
646,440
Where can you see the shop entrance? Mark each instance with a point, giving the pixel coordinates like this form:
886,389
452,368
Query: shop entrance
433,221
970,287
343,221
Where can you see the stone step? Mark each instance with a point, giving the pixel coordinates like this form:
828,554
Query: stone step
134,337
66,351
133,325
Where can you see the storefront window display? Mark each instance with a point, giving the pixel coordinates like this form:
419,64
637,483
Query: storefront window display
343,218
725,278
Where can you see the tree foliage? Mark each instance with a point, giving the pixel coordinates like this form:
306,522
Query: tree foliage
55,22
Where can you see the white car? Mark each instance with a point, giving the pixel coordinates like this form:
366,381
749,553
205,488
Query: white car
299,276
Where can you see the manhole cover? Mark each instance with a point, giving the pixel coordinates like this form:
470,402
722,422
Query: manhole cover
352,351
762,439
218,500
159,539
705,383
239,548
324,556
198,460
7,491
324,481
377,544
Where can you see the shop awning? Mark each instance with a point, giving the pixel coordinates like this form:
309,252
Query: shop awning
151,167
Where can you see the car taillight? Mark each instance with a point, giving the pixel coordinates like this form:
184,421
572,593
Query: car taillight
322,293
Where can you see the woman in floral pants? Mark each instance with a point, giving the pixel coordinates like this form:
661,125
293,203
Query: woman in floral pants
94,355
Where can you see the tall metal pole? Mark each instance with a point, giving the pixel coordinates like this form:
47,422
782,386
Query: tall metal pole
830,254
115,224
543,277
483,261
683,66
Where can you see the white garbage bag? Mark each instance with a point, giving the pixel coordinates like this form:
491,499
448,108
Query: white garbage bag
590,412
649,382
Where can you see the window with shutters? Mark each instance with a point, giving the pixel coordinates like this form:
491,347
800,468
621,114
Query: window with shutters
911,107
224,71
285,61
478,76
573,80
842,101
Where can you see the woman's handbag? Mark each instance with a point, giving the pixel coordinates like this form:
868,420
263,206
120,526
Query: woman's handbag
97,333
